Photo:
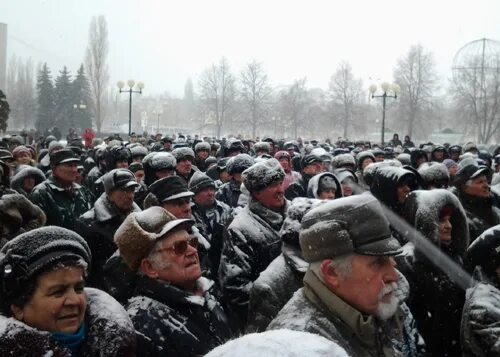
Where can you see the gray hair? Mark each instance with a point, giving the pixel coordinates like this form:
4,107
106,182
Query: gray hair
157,260
342,265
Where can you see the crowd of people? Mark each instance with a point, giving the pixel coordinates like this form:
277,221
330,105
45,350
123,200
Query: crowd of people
187,246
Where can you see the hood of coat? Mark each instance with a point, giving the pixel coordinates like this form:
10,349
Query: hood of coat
313,185
422,209
386,181
16,183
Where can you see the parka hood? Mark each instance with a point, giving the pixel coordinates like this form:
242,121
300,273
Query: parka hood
313,185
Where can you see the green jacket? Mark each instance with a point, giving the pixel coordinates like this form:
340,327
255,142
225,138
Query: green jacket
61,207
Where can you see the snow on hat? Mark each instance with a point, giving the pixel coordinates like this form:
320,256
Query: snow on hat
135,166
433,172
449,163
262,146
137,235
210,160
62,157
404,159
119,179
468,170
282,155
262,174
239,163
202,146
29,254
363,155
163,161
355,224
20,150
138,150
309,159
200,181
182,153
343,160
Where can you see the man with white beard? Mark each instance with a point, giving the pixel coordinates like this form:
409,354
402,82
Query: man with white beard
352,293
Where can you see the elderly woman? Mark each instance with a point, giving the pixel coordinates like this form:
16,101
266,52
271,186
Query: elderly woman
45,308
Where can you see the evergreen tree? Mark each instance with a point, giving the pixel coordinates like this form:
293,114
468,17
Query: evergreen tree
63,102
4,111
81,98
45,95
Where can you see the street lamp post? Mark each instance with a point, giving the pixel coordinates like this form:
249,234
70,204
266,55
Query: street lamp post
388,91
131,83
158,113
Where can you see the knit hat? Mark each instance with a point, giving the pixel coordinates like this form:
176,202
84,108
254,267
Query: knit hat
202,146
348,225
262,174
449,163
182,153
20,150
169,188
137,235
62,157
119,179
27,255
239,163
200,181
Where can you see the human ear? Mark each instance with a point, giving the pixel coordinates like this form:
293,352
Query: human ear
17,312
148,270
329,275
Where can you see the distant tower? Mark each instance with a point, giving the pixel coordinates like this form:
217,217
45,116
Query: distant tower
3,55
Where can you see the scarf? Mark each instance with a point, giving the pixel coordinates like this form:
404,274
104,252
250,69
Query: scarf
71,341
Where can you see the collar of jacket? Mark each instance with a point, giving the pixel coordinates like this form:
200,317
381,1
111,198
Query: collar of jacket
472,202
364,327
105,210
273,218
53,184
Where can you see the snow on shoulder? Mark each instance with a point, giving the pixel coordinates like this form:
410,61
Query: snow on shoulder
279,343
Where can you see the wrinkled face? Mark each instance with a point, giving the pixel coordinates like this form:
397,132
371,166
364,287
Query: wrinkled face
272,197
402,192
444,231
313,169
123,198
139,176
183,167
58,304
202,154
66,172
478,187
28,184
179,208
285,164
205,198
369,284
23,158
179,269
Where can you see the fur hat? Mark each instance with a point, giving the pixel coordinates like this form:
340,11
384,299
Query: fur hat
342,160
262,146
163,161
262,174
200,181
182,153
432,172
202,146
239,163
20,150
138,150
139,232
118,179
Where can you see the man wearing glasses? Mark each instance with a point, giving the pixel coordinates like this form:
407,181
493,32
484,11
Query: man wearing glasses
172,305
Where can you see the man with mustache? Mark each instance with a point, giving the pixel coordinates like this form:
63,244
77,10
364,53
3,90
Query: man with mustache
352,293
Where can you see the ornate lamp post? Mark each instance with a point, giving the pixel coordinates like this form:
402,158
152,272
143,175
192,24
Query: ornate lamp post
131,83
388,91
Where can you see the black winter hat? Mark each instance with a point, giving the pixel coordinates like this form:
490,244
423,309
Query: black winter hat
169,188
135,166
33,252
62,157
239,163
262,174
469,169
485,252
309,159
118,179
200,181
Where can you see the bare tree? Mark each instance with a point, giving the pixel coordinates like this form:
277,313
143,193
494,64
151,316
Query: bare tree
255,93
217,91
415,73
346,91
97,67
294,101
21,92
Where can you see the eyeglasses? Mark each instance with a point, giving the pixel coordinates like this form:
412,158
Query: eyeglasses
181,246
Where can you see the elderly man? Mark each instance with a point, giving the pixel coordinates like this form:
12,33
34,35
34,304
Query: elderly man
172,305
98,225
185,158
62,200
352,293
253,240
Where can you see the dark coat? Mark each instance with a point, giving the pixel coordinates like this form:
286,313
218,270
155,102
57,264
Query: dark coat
97,227
298,188
109,333
176,322
62,208
229,193
253,242
90,180
436,301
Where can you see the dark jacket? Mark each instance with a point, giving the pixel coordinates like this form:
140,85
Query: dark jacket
298,188
109,332
61,207
175,322
97,227
90,180
429,284
253,242
16,183
229,193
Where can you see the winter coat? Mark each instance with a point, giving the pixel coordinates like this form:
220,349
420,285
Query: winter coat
97,227
298,188
109,332
480,333
290,178
315,309
175,322
16,183
61,207
229,193
90,180
253,242
274,287
313,185
18,215
140,194
211,224
428,283
481,213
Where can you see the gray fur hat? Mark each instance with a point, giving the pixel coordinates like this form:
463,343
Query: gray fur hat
203,145
349,225
162,161
342,160
138,150
433,172
262,174
239,163
262,146
183,153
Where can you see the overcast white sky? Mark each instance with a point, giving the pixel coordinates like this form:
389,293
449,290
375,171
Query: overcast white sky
165,42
